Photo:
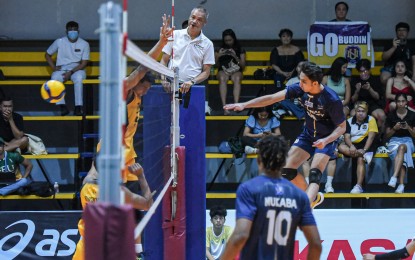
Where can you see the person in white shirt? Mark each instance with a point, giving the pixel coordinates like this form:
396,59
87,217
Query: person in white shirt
193,53
72,58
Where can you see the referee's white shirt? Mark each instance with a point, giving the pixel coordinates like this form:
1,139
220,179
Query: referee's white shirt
190,55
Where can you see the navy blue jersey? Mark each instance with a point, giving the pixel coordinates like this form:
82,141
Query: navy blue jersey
324,111
276,208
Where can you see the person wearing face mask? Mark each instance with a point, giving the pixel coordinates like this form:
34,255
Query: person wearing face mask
71,60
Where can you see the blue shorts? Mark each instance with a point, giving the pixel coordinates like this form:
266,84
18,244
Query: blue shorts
305,142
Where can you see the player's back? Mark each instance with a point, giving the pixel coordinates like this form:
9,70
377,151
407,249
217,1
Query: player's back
276,207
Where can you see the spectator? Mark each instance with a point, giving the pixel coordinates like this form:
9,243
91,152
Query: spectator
292,106
341,9
285,58
193,52
398,49
11,127
269,211
361,130
336,80
261,123
218,234
400,130
368,88
230,58
10,162
399,83
72,58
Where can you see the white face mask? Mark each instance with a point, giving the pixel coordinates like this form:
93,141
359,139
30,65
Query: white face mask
73,35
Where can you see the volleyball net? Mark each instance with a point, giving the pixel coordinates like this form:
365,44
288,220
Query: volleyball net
158,147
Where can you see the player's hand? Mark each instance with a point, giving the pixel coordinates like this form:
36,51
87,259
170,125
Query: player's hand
320,143
368,257
136,169
165,30
353,151
234,107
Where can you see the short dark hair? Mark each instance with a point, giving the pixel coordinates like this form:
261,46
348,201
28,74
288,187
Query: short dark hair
148,77
401,95
217,210
6,98
287,31
272,152
72,24
363,63
342,3
401,25
267,109
312,71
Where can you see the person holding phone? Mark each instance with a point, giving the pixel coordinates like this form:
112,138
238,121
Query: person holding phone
398,50
400,131
261,123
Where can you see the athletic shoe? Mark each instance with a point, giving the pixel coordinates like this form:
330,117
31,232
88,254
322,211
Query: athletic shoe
319,199
328,189
400,188
208,110
382,149
392,182
250,150
356,189
368,157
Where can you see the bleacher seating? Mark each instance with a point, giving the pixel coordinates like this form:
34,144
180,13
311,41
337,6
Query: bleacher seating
30,69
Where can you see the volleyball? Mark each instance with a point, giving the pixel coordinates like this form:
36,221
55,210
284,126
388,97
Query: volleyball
52,91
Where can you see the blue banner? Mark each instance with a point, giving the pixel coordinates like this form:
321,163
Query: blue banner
328,40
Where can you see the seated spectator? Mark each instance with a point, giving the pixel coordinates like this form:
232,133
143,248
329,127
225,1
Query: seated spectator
400,130
291,106
399,83
261,123
336,80
285,58
11,127
71,60
230,58
218,234
341,9
358,141
398,49
10,162
368,88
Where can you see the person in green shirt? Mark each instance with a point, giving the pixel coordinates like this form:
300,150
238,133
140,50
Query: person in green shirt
9,162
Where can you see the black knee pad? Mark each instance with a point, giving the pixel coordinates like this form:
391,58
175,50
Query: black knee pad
315,176
289,173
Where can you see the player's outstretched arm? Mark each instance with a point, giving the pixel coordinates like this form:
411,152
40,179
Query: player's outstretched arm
137,201
165,33
238,239
396,254
313,239
257,102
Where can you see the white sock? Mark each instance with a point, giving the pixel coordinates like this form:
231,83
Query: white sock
138,248
329,180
